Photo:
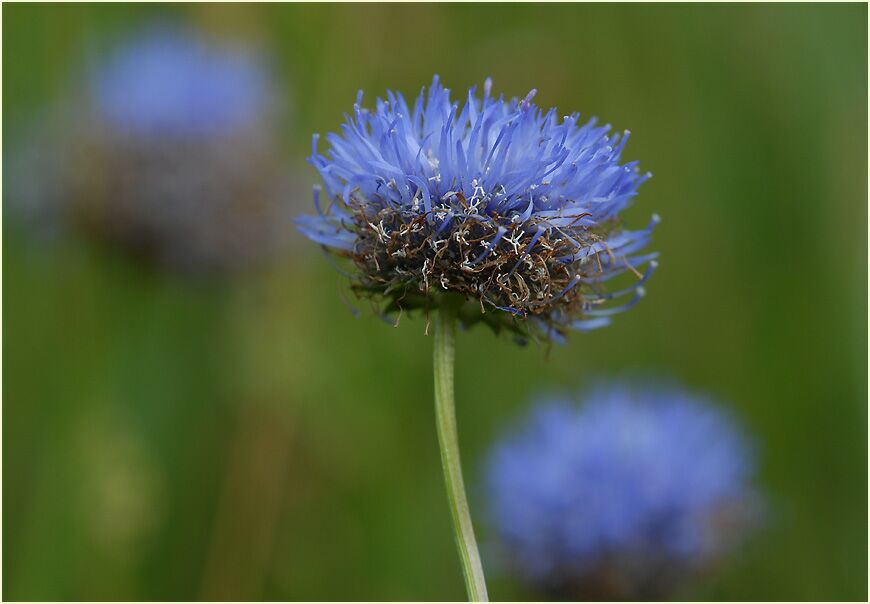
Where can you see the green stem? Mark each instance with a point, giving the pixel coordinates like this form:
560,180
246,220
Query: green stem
448,440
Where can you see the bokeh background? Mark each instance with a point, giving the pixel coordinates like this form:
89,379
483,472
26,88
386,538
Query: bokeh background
168,439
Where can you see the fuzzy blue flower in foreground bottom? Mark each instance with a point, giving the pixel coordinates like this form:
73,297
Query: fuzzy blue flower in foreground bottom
516,210
623,497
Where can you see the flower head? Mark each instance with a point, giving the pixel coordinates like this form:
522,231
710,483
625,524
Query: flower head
621,497
171,83
170,153
515,209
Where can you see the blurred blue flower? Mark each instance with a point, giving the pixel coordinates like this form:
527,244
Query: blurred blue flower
514,208
168,82
624,496
170,151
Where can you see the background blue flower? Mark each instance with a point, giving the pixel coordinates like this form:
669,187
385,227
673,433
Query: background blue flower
636,485
168,81
170,152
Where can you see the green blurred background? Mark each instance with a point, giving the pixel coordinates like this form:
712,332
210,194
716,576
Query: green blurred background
167,440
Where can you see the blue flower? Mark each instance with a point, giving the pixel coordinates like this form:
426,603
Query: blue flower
168,82
623,496
170,153
515,209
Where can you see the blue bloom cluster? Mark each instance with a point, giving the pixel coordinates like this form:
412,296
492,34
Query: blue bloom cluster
496,200
623,496
170,83
170,153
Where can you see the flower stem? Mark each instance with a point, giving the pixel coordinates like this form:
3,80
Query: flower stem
448,440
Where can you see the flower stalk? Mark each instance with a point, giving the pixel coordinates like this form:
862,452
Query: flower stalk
448,441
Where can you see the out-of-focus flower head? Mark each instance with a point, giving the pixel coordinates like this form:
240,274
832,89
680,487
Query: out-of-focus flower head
170,151
174,84
514,209
624,497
